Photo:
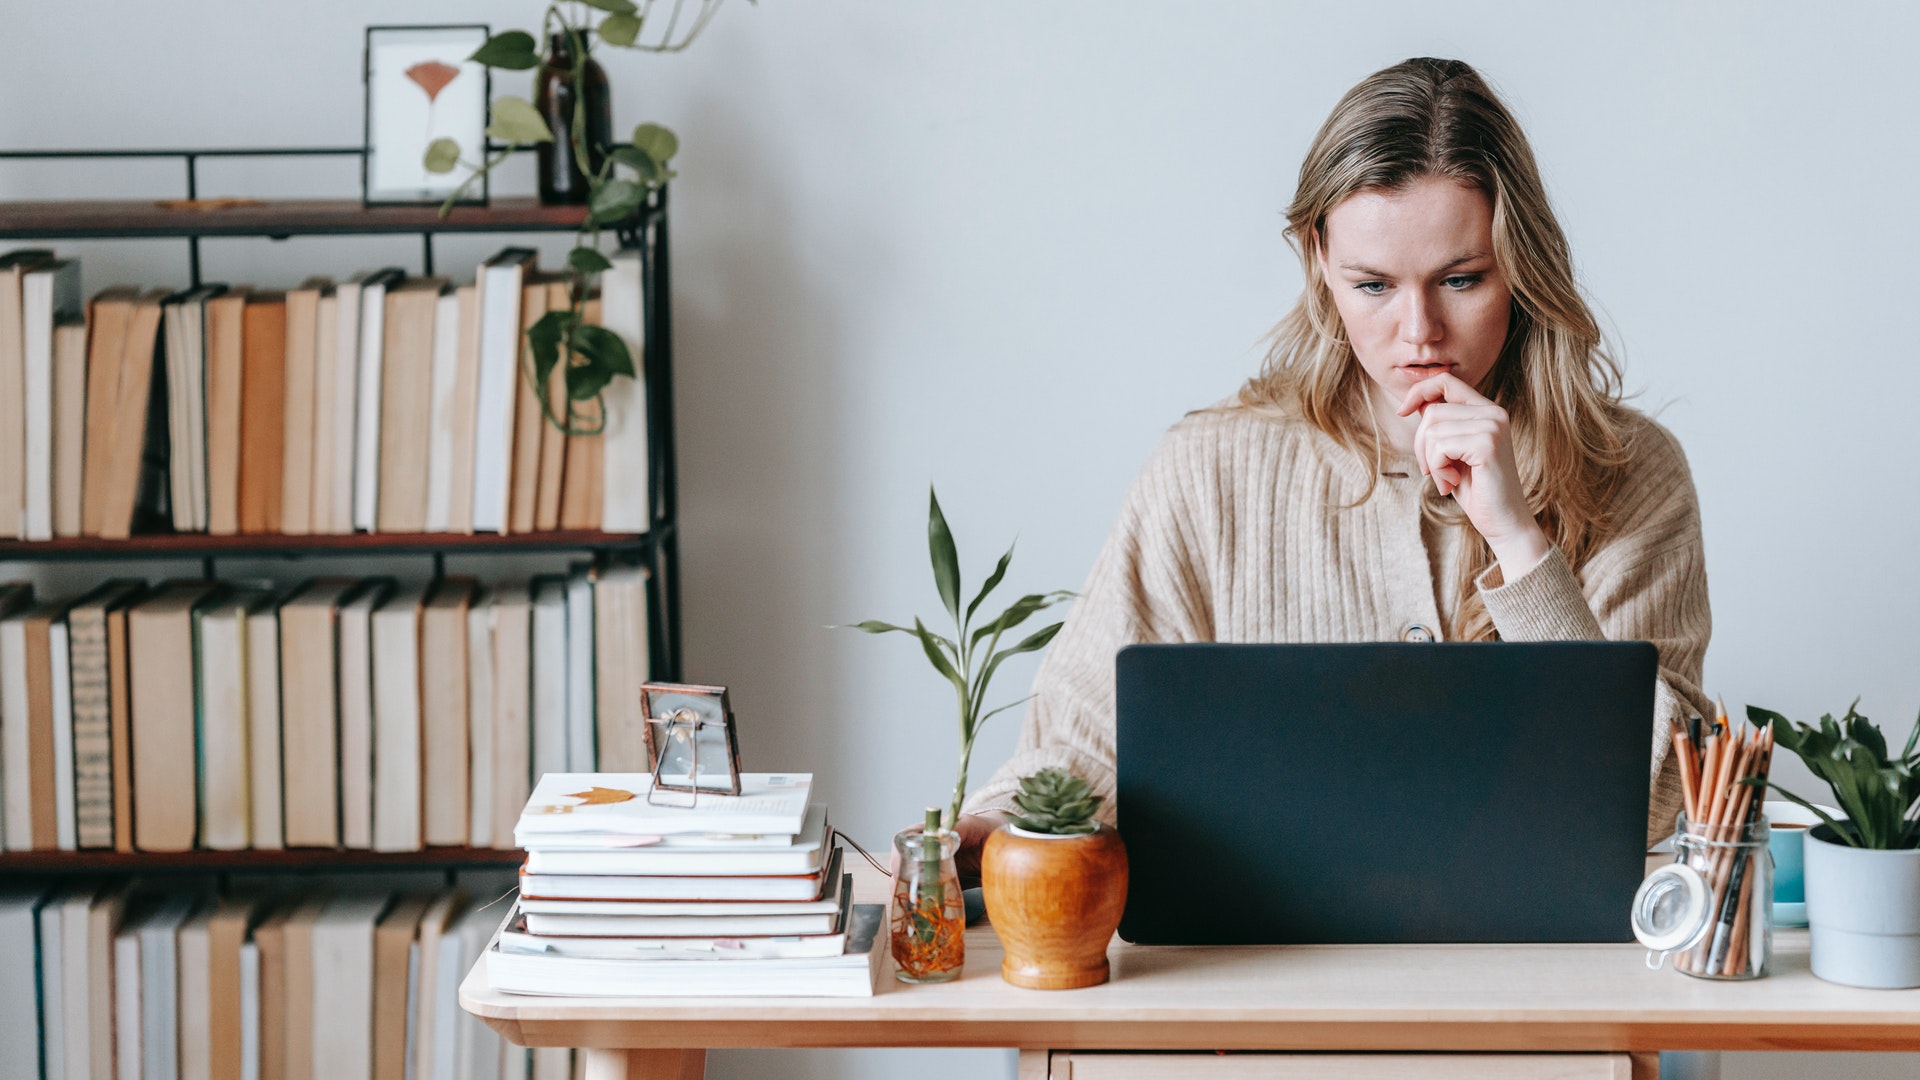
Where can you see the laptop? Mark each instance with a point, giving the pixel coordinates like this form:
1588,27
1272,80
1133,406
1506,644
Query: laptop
1383,793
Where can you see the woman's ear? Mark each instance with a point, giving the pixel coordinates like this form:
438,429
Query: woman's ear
1319,251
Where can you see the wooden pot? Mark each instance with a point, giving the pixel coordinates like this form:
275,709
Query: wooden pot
1055,902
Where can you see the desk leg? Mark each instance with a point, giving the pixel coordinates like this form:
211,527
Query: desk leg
605,1064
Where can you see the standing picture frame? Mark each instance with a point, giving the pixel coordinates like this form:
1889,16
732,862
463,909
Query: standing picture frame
420,86
691,739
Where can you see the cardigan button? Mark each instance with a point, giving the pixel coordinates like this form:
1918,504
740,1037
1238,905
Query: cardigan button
1416,633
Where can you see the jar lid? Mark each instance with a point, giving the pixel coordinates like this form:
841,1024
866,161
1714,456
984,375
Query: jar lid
1670,912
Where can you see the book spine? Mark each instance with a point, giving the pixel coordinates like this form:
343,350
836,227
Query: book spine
92,728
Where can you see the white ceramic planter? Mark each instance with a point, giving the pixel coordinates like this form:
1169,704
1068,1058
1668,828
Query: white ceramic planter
1864,910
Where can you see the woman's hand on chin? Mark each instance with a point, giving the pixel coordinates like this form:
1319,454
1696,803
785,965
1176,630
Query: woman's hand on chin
1465,444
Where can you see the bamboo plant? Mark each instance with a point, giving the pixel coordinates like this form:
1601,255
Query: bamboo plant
969,658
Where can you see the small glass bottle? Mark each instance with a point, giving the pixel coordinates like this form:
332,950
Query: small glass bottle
929,921
561,178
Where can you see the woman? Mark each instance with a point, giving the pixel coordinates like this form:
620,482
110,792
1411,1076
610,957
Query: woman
1435,448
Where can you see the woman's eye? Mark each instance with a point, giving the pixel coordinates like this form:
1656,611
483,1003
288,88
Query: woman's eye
1462,281
1372,288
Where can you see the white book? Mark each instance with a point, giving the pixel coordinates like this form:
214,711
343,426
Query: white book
226,759
355,682
53,994
446,370
549,676
263,724
195,1005
66,836
827,903
480,720
127,982
49,293
412,1046
479,1044
249,1011
19,982
16,799
343,987
397,791
850,974
344,398
366,438
426,1028
626,505
326,385
159,988
767,803
512,707
75,973
617,887
184,325
814,937
443,1029
804,857
13,701
580,703
500,280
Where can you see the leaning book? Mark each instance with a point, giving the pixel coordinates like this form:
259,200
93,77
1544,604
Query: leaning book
851,973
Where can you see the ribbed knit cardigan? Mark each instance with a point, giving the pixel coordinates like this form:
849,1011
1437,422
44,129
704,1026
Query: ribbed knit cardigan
1235,532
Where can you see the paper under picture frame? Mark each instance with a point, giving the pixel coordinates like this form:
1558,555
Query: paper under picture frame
714,734
420,86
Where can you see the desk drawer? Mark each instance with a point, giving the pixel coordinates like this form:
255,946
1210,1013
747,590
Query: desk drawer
1095,1065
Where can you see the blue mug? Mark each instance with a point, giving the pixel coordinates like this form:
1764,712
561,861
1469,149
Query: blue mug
1789,823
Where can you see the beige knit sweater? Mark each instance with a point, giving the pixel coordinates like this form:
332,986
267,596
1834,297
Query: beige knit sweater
1234,532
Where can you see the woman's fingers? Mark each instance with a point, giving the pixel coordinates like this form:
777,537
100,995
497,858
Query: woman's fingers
1451,451
1455,419
1448,388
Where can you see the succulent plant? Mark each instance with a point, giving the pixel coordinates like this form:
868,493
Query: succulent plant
1058,802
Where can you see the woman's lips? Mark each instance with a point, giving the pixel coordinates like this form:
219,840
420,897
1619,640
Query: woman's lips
1427,369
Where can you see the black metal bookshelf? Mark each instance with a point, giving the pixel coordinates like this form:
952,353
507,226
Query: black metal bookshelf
277,219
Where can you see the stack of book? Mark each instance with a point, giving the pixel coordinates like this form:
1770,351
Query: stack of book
381,403
344,712
723,895
107,979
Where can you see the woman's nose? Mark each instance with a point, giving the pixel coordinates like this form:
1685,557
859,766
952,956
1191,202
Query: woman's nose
1420,321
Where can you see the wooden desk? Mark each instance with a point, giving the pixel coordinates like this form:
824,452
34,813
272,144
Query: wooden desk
1587,999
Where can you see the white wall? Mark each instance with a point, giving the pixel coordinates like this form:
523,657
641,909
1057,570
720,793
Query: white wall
1000,246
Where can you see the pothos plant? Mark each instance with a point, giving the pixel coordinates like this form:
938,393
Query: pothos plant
961,659
624,179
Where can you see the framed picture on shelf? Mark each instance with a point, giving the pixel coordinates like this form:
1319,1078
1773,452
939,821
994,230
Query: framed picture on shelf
420,87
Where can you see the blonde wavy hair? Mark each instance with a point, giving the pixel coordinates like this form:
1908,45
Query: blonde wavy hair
1561,389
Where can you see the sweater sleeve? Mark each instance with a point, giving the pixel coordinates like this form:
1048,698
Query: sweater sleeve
1647,582
1148,585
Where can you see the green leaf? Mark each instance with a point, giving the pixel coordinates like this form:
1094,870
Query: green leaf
587,261
544,338
517,122
875,626
1020,611
940,663
512,50
1033,643
442,155
637,160
616,200
658,143
585,381
618,7
993,579
946,558
619,29
605,347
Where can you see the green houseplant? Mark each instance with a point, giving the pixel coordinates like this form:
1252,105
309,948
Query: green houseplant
969,658
625,177
1055,881
1862,870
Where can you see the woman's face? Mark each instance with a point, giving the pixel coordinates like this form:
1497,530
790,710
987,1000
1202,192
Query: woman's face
1413,277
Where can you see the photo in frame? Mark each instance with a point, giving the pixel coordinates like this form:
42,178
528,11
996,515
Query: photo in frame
691,739
420,87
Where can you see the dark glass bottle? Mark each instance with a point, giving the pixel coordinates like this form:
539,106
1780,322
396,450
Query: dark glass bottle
561,179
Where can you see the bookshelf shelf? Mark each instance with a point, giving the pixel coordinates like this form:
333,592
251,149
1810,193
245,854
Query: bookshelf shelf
94,219
291,859
202,545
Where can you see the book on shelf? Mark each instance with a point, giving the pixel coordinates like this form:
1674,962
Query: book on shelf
160,639
382,403
444,685
395,651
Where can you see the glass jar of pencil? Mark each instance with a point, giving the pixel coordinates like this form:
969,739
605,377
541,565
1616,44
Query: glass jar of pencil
1712,908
